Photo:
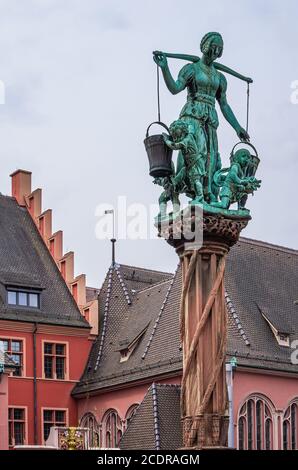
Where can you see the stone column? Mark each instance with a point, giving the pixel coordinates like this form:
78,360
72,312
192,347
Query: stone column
203,326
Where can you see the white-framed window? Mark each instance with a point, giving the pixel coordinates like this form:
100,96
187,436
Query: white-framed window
16,426
53,417
14,347
23,298
54,360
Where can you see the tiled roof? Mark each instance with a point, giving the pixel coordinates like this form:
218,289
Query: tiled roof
137,279
275,319
156,423
25,261
256,273
234,322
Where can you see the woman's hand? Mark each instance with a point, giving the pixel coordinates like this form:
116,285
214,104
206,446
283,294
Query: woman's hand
243,135
160,59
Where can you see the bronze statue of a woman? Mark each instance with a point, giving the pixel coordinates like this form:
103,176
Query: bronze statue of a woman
205,84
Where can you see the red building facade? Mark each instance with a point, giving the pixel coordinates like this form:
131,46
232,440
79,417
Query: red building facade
42,324
35,403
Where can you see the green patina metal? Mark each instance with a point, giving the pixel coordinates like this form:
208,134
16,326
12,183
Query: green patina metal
233,361
233,181
199,173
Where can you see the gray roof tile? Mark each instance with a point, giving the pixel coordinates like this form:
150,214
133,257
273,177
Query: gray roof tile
156,424
26,261
256,272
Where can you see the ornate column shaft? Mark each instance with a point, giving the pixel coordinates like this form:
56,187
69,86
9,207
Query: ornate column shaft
203,327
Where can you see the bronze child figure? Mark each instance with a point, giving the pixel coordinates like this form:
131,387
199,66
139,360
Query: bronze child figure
189,178
169,194
235,184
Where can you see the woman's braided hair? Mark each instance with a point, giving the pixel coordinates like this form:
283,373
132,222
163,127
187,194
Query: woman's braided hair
207,39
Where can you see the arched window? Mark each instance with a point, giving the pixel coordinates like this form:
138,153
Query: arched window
111,429
89,421
130,413
255,425
290,427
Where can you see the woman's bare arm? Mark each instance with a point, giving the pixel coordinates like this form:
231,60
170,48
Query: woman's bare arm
227,110
173,86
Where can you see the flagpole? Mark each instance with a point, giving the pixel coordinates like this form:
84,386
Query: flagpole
113,239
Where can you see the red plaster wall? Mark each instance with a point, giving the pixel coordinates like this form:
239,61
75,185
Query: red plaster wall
3,411
50,393
120,400
280,390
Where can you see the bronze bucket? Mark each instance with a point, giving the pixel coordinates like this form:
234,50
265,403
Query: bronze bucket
159,154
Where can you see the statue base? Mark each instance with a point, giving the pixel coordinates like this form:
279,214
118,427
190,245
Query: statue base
207,209
222,225
208,430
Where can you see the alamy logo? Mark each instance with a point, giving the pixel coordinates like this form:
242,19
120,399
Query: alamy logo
294,354
134,222
294,94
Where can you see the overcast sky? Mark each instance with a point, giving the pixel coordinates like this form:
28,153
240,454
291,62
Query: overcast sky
81,90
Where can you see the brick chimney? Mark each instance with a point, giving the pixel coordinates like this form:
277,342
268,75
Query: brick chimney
21,185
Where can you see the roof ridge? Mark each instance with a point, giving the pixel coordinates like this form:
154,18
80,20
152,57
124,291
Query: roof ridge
234,315
168,385
105,317
160,314
154,365
155,416
145,269
255,242
123,285
157,284
259,356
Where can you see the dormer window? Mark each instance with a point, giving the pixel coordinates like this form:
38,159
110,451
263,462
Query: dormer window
124,354
283,339
23,298
279,327
127,348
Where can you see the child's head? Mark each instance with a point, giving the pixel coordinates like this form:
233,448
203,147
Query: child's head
178,130
242,156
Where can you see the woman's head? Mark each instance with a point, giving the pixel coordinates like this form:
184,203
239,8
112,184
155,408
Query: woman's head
212,45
